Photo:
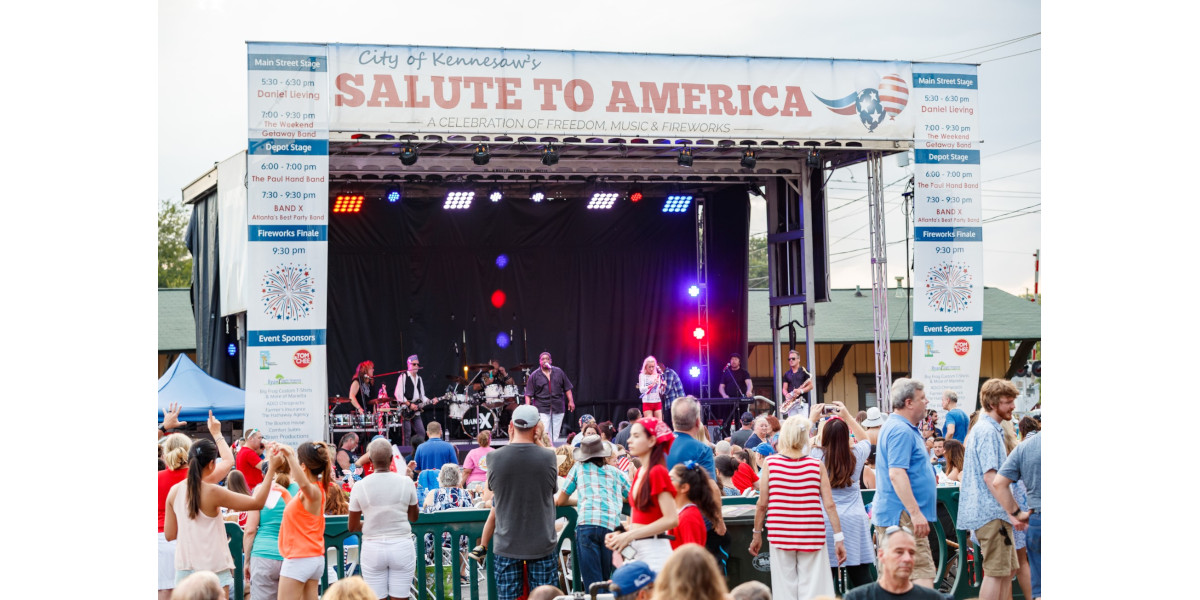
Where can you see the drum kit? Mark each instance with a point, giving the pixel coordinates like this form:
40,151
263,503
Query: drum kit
479,406
381,420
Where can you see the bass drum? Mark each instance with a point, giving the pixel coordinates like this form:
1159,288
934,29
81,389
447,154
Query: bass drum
475,417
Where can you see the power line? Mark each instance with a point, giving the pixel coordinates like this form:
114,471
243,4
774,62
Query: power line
988,220
1013,148
1013,175
1009,56
997,44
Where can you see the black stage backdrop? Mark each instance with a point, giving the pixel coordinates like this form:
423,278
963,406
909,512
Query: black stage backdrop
599,290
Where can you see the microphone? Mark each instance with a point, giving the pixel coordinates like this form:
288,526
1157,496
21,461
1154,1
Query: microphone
727,365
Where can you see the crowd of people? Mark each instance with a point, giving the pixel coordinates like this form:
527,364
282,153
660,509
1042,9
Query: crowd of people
806,471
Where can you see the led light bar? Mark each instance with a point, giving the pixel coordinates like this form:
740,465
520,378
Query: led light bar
602,200
458,200
677,204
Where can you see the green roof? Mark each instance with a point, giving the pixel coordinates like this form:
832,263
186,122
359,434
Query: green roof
176,324
847,318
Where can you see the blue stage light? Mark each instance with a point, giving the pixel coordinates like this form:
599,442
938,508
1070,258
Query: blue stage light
232,349
502,340
694,291
502,261
393,196
694,371
677,203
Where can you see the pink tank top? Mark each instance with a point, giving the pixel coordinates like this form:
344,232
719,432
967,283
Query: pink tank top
201,543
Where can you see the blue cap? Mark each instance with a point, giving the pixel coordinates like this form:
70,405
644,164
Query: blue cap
632,577
764,449
587,418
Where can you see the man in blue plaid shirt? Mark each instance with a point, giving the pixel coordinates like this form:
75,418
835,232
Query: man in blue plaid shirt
674,387
602,489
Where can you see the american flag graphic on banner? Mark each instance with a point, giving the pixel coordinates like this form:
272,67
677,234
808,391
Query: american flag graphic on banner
893,95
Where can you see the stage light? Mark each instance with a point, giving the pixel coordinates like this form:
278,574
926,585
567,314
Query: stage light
635,195
602,200
409,155
458,200
698,333
347,203
482,156
694,371
232,349
685,157
677,203
550,156
394,195
537,195
496,195
502,340
748,161
501,261
694,291
813,160
498,298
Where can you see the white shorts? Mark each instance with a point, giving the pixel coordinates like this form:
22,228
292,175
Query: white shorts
388,566
653,551
302,569
166,563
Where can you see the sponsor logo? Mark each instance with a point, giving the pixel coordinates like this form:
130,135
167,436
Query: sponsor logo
302,358
281,380
961,347
264,360
929,350
942,366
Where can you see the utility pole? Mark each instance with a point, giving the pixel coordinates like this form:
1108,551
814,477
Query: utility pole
1037,260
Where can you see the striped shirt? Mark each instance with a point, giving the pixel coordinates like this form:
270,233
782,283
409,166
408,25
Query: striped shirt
794,518
601,491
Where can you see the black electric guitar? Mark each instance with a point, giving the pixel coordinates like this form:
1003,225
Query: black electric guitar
407,412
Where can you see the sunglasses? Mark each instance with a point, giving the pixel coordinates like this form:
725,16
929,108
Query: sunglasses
895,528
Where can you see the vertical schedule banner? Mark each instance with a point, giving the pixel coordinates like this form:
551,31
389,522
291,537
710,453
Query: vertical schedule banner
947,233
287,172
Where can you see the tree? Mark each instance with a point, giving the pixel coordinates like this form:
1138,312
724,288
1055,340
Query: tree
758,260
174,260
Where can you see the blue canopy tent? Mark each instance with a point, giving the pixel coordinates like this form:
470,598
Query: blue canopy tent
186,384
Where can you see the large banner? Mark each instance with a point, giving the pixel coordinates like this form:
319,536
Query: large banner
287,169
409,89
948,233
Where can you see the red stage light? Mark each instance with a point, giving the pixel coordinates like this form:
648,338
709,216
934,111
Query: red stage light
498,298
698,333
348,204
636,196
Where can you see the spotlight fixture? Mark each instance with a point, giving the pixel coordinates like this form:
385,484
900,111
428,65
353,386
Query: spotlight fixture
537,194
550,155
748,160
685,157
677,203
394,195
698,333
813,160
482,156
602,200
347,203
694,291
408,155
458,200
694,371
635,194
496,195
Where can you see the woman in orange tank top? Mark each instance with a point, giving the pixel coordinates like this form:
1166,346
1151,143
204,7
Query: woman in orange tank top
302,532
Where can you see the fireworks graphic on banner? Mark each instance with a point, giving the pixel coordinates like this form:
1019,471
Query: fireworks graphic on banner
288,292
949,286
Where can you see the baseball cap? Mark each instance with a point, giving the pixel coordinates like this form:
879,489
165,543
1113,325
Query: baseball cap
587,419
525,416
747,418
632,577
765,449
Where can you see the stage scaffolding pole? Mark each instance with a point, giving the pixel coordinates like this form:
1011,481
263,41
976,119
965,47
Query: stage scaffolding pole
879,286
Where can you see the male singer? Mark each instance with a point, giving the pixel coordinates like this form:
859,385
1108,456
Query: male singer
410,390
547,385
735,379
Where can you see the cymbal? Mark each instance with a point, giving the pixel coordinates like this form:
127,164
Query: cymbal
456,378
338,400
522,366
378,400
480,367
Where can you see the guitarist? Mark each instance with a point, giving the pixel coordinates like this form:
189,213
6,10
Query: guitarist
410,392
796,385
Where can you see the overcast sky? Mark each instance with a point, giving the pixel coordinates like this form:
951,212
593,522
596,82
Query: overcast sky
202,82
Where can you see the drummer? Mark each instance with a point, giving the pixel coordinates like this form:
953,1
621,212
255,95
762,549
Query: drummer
499,376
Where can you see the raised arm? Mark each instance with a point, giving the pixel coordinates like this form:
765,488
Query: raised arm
227,461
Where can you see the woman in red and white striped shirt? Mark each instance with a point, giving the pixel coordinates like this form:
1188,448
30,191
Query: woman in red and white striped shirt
794,487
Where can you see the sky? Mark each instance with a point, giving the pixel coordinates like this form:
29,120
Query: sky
202,84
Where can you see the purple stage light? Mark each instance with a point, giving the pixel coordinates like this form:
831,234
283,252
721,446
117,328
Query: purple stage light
694,371
502,340
502,261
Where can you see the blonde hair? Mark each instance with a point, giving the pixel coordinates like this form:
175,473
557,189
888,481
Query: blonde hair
283,470
646,363
336,502
691,572
349,588
568,461
793,436
994,390
175,450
